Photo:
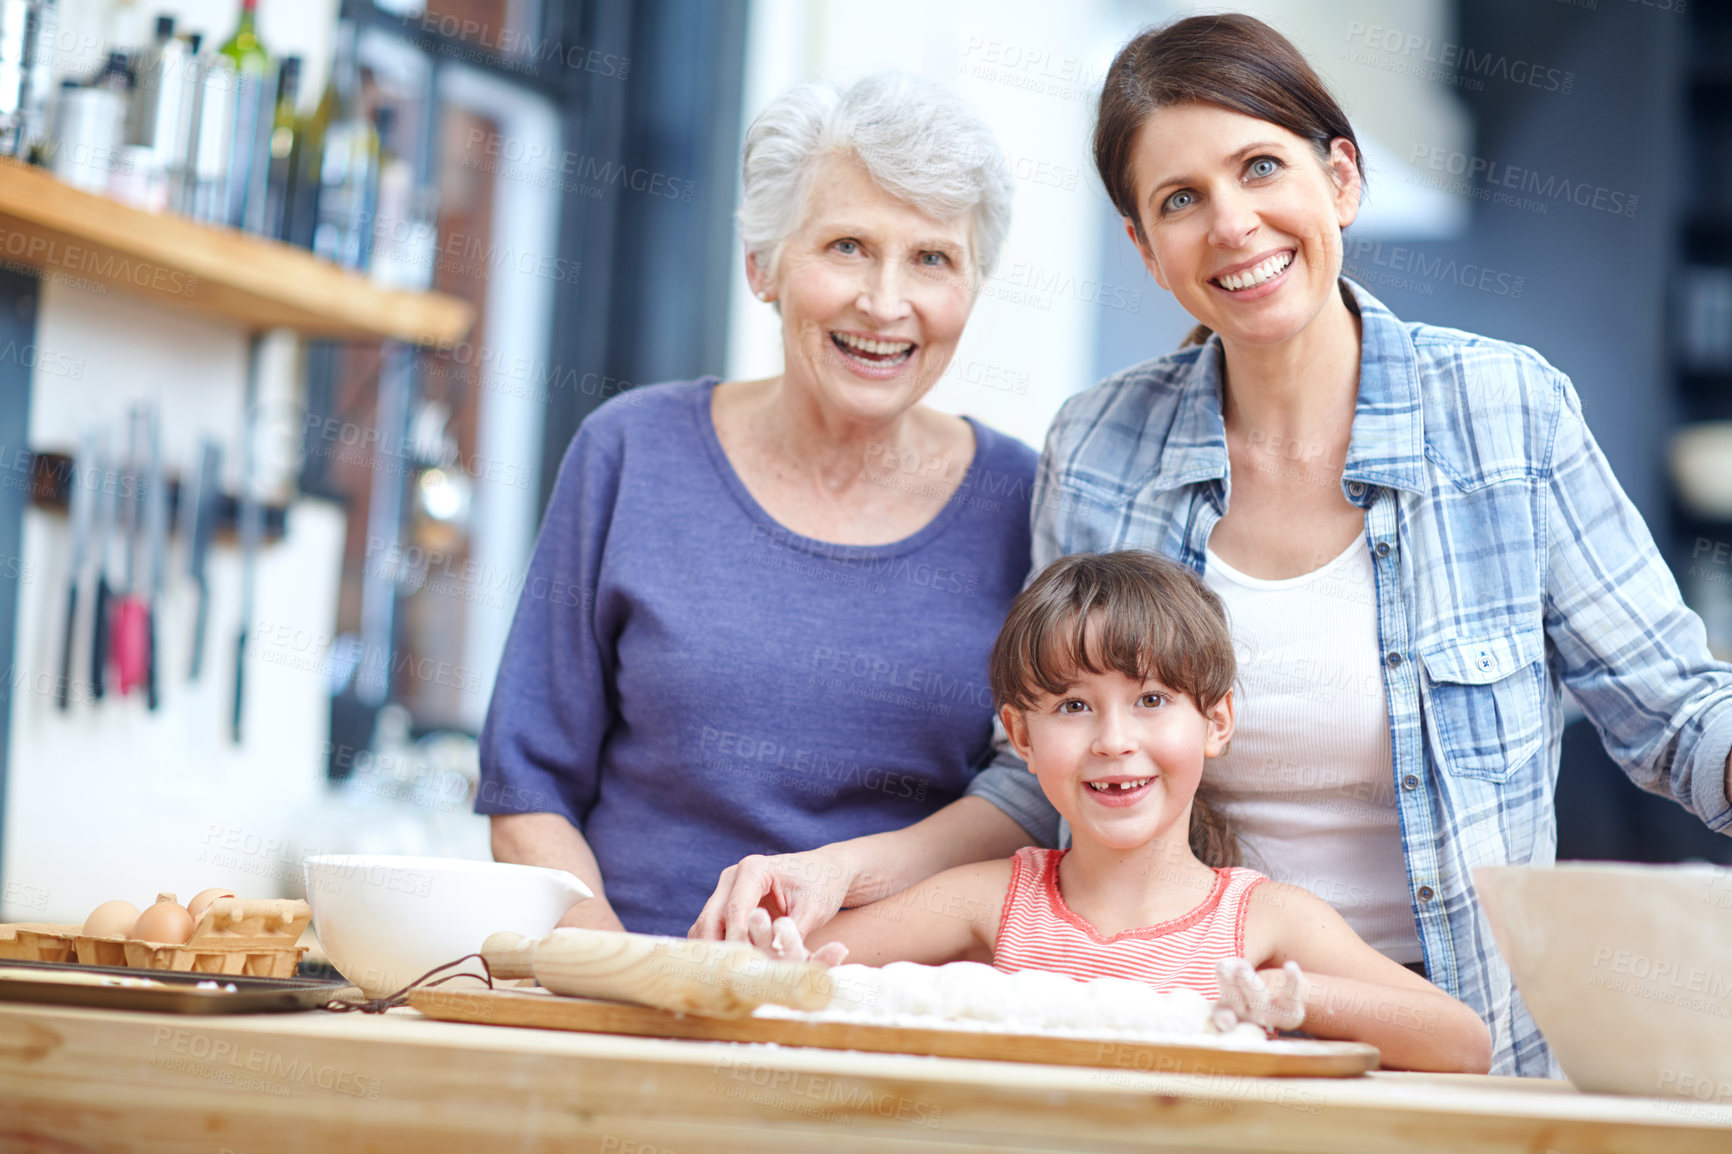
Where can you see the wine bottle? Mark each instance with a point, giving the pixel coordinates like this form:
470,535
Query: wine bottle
285,152
310,132
304,212
250,158
348,168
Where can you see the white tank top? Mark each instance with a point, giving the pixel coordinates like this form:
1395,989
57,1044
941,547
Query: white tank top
1307,778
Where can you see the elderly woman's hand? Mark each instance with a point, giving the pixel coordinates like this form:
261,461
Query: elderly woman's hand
806,887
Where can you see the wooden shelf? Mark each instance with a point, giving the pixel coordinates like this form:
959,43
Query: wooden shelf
182,264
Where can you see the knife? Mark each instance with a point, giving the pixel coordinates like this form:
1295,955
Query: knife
251,526
156,528
107,506
131,626
200,513
83,501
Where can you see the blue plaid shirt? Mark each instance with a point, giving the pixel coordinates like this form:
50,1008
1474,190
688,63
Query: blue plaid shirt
1509,565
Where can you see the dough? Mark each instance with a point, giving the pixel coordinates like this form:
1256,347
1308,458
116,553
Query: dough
969,995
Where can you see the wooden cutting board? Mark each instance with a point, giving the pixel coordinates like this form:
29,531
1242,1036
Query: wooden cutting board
1295,1058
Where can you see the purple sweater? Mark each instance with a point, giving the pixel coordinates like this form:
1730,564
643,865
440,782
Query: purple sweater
688,682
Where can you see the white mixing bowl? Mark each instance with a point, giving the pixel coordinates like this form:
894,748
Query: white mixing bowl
1627,969
384,920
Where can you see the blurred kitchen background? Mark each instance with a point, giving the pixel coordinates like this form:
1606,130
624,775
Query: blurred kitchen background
341,477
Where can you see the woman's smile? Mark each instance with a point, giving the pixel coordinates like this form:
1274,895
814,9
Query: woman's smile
871,356
1244,279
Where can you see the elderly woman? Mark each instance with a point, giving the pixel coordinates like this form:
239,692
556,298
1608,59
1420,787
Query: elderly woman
759,612
1409,602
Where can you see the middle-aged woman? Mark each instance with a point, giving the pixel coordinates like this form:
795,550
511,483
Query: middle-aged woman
759,613
1417,539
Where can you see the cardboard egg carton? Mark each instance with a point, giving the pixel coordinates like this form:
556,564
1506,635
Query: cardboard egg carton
254,937
37,942
247,961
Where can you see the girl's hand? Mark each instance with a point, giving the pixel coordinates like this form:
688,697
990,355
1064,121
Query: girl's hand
1246,997
782,941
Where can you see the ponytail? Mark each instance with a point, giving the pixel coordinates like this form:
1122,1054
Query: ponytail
1213,838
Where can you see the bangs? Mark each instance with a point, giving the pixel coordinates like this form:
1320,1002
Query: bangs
1136,614
1094,641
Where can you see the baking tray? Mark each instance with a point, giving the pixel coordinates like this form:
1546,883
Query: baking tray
170,991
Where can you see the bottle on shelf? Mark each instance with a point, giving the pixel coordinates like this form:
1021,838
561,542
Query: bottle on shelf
14,72
205,195
403,234
38,102
157,120
27,32
285,149
91,125
254,117
348,165
304,210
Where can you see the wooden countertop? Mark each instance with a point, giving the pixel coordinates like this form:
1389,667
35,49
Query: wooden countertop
76,1080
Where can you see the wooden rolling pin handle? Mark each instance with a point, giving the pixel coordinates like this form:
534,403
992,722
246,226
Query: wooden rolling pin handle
509,955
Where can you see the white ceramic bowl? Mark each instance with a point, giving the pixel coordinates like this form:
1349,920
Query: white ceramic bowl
1627,969
385,920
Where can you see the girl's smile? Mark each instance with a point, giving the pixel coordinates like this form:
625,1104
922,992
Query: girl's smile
1113,791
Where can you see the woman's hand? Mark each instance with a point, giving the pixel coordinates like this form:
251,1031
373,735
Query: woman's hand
805,889
1247,997
781,939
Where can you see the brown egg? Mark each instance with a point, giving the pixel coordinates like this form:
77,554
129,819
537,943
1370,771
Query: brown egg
167,921
201,901
111,920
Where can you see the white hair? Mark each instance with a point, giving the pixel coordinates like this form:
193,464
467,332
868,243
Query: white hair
918,141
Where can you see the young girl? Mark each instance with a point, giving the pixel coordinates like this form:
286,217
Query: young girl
1114,675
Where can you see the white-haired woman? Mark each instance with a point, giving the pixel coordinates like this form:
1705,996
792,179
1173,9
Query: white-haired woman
759,613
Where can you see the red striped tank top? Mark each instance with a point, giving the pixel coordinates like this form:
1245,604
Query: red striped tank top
1037,931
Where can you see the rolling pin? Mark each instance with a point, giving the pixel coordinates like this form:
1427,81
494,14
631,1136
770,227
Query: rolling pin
714,979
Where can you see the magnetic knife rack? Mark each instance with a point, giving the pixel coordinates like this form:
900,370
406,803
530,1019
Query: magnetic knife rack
51,489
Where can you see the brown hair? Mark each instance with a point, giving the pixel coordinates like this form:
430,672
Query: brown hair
1133,612
1233,61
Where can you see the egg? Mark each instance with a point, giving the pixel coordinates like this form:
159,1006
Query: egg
167,921
111,920
201,901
